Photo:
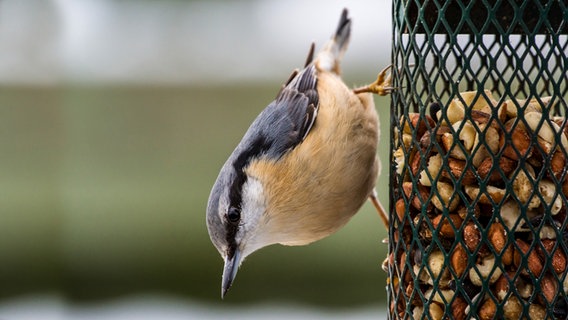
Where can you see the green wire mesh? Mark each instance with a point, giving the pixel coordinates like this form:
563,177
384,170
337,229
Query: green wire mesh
479,184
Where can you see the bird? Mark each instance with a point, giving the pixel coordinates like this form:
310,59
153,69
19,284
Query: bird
306,164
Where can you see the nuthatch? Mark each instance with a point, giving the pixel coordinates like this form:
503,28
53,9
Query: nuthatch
305,166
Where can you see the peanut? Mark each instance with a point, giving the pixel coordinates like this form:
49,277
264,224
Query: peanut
520,140
459,260
471,236
447,229
487,310
533,261
458,308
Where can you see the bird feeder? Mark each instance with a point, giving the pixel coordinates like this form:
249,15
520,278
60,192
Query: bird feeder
479,147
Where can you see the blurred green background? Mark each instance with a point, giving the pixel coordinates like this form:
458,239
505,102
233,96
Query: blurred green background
108,156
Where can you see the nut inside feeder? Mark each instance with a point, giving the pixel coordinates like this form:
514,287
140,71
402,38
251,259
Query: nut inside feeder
479,150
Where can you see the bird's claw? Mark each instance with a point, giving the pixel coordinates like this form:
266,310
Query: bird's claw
382,86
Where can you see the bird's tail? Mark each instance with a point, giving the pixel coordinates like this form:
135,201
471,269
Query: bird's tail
329,58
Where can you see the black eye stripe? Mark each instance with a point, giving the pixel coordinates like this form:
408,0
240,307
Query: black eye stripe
234,215
256,148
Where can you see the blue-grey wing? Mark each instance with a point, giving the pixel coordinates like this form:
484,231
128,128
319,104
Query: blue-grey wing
285,122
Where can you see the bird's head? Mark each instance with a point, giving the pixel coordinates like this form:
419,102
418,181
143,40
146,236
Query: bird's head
236,218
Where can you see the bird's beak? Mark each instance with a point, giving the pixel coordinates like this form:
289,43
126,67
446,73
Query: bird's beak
230,271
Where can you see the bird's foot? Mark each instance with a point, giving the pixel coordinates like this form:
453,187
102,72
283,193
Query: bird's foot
382,86
379,207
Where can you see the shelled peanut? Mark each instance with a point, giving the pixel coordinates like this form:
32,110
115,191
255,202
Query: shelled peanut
484,186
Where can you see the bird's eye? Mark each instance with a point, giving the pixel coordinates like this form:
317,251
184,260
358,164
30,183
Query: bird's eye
234,214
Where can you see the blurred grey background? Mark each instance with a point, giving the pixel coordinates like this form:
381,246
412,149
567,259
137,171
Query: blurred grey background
115,117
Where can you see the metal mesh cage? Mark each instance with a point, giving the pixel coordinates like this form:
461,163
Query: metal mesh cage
479,146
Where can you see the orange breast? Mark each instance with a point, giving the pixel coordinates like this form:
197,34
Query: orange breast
319,185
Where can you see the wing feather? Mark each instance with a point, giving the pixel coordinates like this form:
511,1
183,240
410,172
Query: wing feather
287,121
